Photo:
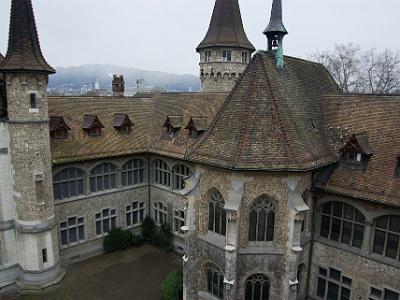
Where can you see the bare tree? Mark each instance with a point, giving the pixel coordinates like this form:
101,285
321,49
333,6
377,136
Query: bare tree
362,71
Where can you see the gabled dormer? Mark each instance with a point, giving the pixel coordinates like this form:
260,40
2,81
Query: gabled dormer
357,152
173,124
59,129
92,125
123,123
196,126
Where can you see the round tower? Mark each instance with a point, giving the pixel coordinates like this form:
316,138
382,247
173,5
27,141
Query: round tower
225,51
27,157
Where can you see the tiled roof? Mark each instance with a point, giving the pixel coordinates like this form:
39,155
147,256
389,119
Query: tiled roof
272,120
148,115
226,27
360,141
378,117
91,121
198,123
24,51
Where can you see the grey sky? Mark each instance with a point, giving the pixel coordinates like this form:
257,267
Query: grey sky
162,34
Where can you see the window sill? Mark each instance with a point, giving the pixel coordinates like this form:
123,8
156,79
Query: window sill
357,251
112,191
73,244
33,110
214,239
261,248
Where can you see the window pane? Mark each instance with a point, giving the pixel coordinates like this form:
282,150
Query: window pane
390,295
323,272
348,212
333,291
215,284
394,224
382,222
64,238
57,191
72,235
257,290
113,222
325,225
392,246
347,281
252,226
249,291
321,287
337,209
358,236
346,233
327,209
218,220
128,219
379,242
209,281
334,274
261,226
271,226
376,292
223,222
106,225
98,228
335,229
345,294
81,230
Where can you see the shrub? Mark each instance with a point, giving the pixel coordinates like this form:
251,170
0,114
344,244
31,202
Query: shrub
172,287
117,239
148,229
137,240
165,236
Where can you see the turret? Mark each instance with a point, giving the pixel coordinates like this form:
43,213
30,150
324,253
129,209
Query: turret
275,32
225,51
118,86
26,129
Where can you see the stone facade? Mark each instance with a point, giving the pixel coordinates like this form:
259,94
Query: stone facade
216,73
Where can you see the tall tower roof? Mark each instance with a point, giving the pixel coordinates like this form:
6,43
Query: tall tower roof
276,24
24,53
226,27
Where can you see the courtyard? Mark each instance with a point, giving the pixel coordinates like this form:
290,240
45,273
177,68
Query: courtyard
136,273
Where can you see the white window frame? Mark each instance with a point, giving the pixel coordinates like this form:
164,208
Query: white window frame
179,221
111,216
75,226
226,54
207,56
160,213
139,211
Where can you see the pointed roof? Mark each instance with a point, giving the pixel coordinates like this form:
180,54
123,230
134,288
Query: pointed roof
121,120
57,123
1,58
276,24
272,120
226,27
359,142
24,53
91,121
174,122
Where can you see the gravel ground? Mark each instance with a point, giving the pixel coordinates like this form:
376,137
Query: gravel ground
136,273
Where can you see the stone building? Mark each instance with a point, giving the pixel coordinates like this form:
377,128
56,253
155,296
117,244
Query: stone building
276,185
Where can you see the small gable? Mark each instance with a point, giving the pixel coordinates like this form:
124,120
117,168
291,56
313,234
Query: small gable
357,152
92,125
123,123
196,126
58,128
173,123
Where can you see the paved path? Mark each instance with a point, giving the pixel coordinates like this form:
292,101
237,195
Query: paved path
136,273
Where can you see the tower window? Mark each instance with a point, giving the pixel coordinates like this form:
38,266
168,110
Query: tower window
44,255
226,55
397,170
33,100
245,57
207,56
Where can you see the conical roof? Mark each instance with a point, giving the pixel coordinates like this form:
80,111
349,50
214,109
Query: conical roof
272,120
226,27
276,24
24,53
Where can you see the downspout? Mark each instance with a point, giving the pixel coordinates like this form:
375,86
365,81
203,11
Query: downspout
314,216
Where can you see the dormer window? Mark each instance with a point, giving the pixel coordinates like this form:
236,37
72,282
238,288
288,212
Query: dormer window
58,129
92,125
357,152
123,123
173,124
196,126
226,55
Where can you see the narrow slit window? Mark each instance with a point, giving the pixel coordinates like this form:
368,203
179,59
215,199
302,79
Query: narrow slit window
33,100
44,255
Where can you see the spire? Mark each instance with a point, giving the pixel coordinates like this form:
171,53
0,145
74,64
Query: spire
226,27
276,31
24,52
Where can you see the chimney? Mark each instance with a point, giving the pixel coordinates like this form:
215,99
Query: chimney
118,86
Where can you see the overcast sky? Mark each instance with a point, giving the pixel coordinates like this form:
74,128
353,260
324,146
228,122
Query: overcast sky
163,34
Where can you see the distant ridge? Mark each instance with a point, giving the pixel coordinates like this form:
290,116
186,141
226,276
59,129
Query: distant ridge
76,77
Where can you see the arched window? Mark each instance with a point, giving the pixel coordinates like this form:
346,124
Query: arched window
217,214
68,183
257,287
180,173
387,236
133,172
342,223
215,281
103,177
262,220
161,173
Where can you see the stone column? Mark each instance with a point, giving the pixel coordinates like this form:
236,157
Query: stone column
231,255
366,245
